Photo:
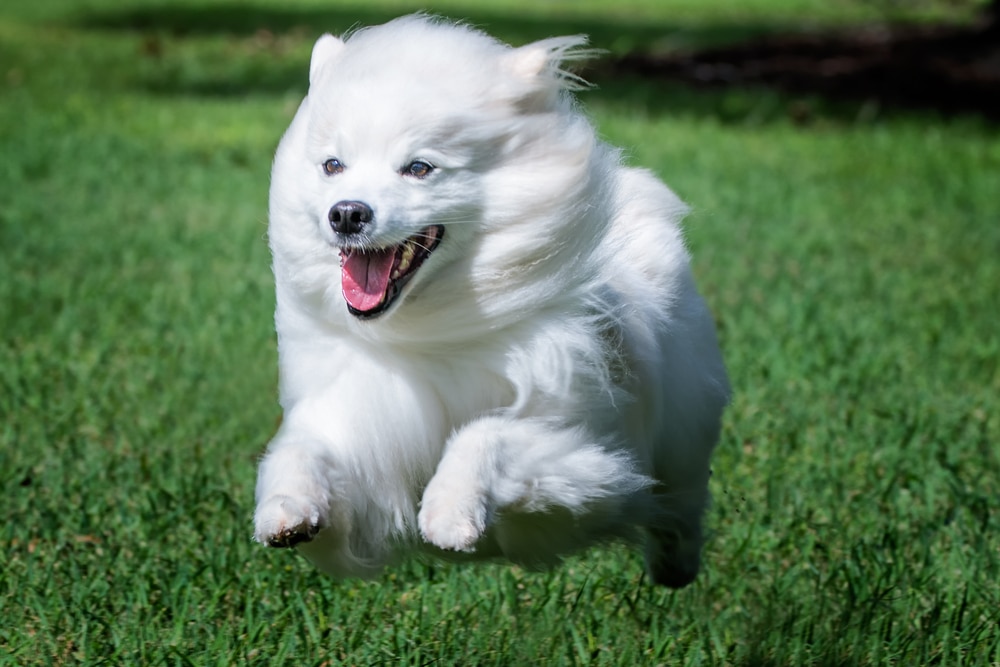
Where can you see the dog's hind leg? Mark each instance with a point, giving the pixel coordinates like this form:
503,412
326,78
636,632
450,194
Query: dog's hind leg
499,471
674,537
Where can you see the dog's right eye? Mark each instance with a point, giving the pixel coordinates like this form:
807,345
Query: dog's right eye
418,169
332,166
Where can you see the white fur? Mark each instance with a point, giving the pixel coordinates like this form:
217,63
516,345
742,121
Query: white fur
550,378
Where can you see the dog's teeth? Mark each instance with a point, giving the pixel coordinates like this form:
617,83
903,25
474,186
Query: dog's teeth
406,258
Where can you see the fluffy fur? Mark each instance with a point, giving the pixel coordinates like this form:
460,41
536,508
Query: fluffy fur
548,378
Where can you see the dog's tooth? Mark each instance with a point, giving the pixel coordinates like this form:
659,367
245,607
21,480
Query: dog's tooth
406,257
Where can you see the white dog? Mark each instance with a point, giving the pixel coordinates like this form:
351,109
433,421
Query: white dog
490,340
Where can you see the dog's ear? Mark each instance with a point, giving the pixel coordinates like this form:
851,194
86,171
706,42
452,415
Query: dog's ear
541,66
325,50
529,61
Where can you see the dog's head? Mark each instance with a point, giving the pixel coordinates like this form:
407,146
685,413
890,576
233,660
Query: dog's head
417,139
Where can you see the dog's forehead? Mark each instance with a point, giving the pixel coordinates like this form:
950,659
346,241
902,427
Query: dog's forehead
390,107
410,84
383,112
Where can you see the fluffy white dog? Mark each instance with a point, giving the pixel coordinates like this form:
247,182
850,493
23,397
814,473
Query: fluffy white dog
490,340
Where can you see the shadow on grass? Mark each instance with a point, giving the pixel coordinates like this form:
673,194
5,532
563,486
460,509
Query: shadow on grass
719,70
948,68
268,67
238,20
656,67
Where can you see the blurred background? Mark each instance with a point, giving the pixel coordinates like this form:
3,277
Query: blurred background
842,161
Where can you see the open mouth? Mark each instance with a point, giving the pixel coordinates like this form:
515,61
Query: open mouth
372,279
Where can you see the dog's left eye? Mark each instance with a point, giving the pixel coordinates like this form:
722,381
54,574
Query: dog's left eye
332,166
418,169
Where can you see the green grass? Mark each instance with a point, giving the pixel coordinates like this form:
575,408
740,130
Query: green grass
853,264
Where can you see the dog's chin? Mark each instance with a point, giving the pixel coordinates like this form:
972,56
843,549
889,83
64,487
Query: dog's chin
373,280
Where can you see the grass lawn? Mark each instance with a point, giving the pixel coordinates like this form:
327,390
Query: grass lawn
853,263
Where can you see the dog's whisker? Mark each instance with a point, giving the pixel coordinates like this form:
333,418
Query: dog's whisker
456,223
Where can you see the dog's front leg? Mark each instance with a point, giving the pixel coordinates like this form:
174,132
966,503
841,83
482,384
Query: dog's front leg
496,465
293,493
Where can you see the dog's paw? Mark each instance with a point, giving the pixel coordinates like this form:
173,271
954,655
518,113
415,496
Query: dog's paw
672,559
452,517
284,521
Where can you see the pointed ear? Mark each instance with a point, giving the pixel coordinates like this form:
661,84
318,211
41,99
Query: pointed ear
528,61
541,64
324,51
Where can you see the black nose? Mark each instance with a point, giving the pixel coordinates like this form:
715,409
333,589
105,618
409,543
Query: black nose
350,217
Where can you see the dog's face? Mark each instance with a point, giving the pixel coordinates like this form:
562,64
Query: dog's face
399,150
405,146
384,209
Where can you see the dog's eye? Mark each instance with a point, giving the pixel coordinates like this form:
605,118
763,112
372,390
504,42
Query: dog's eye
332,166
418,169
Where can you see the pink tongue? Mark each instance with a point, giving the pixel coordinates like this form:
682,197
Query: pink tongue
364,278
